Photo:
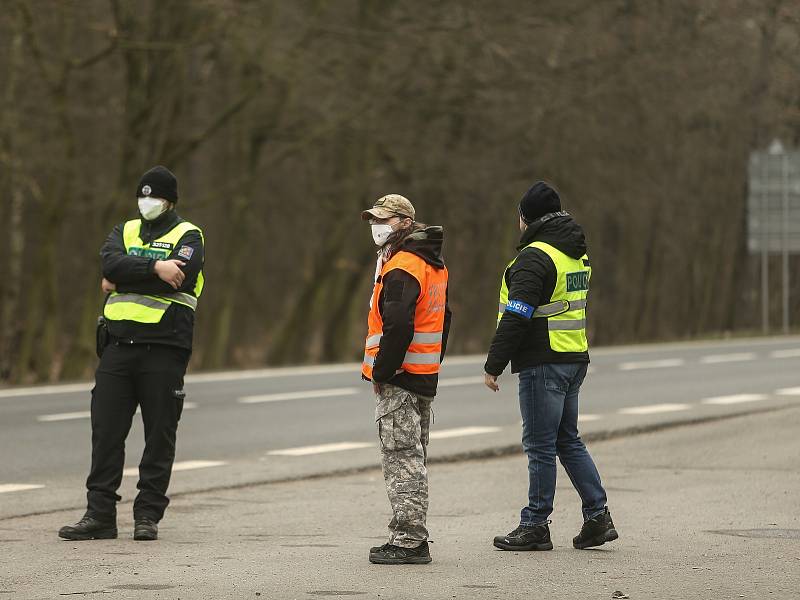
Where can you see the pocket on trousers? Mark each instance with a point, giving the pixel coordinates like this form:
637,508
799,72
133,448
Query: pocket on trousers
179,396
556,379
397,430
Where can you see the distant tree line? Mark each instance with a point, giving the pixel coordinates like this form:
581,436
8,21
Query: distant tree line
283,120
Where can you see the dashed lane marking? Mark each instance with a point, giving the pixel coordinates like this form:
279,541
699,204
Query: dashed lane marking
651,364
461,432
786,353
186,465
5,488
308,394
85,414
320,449
735,399
795,391
714,359
588,417
654,408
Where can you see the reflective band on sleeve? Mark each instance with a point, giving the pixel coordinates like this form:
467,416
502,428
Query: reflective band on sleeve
502,307
552,309
426,338
374,340
369,360
427,358
140,300
566,324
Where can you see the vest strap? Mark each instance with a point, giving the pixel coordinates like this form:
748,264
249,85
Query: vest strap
138,299
566,324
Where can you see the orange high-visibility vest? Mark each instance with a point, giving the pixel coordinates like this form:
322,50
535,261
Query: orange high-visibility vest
424,353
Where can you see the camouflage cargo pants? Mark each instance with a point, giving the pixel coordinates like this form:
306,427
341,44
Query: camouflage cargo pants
404,421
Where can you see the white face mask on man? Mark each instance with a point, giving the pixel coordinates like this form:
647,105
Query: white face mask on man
381,233
152,208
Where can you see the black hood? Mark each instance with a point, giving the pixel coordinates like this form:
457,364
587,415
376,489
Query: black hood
427,244
559,230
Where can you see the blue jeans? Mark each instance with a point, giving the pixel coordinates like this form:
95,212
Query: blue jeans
548,401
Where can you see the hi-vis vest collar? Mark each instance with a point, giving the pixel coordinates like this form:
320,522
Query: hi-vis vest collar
145,308
566,310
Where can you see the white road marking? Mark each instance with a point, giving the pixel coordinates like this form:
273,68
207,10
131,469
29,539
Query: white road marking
476,359
186,465
320,449
735,399
787,353
18,487
85,414
651,364
68,416
587,417
726,358
45,390
308,394
788,391
653,409
454,381
461,432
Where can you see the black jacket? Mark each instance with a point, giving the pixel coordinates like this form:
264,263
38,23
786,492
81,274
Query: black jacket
398,304
136,274
531,279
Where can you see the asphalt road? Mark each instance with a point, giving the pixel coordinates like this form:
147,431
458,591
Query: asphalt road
251,426
706,512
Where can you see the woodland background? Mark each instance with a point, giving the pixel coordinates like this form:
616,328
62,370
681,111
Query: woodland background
284,119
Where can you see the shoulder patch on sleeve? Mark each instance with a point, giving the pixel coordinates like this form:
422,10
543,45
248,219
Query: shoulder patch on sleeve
520,308
186,252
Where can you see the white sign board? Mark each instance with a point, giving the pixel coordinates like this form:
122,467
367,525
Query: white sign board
773,203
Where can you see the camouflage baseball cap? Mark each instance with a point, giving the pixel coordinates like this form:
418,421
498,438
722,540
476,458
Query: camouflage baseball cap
391,205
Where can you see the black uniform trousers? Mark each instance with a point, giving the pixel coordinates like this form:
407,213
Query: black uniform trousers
150,376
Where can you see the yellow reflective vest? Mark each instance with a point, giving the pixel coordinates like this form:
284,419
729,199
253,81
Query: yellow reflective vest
566,310
126,306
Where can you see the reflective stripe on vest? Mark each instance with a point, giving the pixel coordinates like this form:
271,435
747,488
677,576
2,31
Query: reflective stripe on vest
151,308
423,355
419,338
566,311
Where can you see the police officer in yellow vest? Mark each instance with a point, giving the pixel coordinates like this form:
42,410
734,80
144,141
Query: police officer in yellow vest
541,330
153,275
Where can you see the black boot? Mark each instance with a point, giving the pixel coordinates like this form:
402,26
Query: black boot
389,554
145,530
596,531
525,538
89,528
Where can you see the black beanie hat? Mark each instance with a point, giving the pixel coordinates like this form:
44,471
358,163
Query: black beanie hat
538,201
158,182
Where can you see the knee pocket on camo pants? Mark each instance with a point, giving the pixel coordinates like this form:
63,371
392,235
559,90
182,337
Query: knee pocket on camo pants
397,429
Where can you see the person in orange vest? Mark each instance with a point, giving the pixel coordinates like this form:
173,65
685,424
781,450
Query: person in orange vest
409,320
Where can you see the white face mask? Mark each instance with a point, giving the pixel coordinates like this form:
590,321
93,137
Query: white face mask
152,208
381,233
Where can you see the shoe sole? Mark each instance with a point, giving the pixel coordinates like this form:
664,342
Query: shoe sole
103,534
608,536
145,537
529,547
417,560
